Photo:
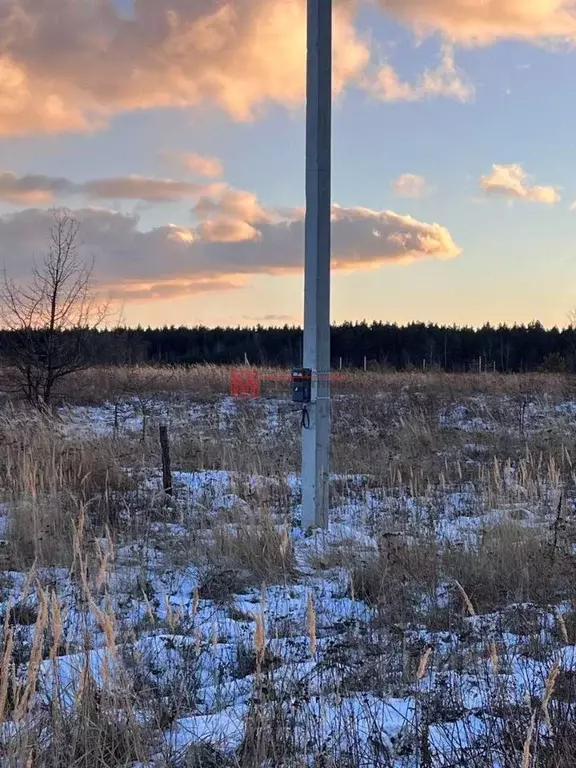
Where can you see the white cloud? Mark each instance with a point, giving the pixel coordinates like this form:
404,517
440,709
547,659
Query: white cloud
409,185
513,182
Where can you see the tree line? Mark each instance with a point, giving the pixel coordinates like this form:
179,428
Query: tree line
416,346
52,326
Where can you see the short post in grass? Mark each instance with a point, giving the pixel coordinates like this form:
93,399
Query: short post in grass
166,467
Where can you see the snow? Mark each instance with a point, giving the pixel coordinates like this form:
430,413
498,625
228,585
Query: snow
353,693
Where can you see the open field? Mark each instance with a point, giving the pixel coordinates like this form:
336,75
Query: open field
433,626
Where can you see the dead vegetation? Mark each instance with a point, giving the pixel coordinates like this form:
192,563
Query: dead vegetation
237,557
449,566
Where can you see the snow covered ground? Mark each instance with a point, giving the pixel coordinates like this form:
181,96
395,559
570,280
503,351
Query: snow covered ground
363,649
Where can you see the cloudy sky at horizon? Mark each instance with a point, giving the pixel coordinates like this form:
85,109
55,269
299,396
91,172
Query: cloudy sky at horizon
174,132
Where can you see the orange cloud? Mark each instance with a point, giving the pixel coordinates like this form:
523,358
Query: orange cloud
200,165
31,189
143,188
144,263
513,182
233,204
71,66
489,20
222,230
445,80
409,185
365,237
209,167
168,289
271,319
37,189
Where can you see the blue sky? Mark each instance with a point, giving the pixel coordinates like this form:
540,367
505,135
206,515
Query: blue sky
490,137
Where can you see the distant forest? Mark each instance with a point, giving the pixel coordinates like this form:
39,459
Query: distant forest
417,346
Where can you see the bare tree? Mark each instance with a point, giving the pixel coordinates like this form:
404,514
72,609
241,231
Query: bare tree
49,320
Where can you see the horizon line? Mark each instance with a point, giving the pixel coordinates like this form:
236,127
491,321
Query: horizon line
536,324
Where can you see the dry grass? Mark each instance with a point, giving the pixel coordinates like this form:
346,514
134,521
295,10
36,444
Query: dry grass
46,480
204,382
237,557
396,580
511,564
64,494
98,727
208,381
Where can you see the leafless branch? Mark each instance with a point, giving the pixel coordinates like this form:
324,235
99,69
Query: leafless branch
48,320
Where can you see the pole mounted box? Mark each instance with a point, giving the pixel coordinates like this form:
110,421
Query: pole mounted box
301,385
317,249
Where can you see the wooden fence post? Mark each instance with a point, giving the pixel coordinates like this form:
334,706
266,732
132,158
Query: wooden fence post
166,469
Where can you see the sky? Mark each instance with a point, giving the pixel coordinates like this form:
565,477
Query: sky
173,131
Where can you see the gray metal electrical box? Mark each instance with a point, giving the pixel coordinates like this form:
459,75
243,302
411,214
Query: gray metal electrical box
301,385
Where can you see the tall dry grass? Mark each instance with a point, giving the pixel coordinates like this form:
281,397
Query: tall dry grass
62,492
45,482
98,384
99,726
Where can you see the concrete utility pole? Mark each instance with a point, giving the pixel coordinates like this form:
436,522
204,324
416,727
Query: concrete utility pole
316,438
